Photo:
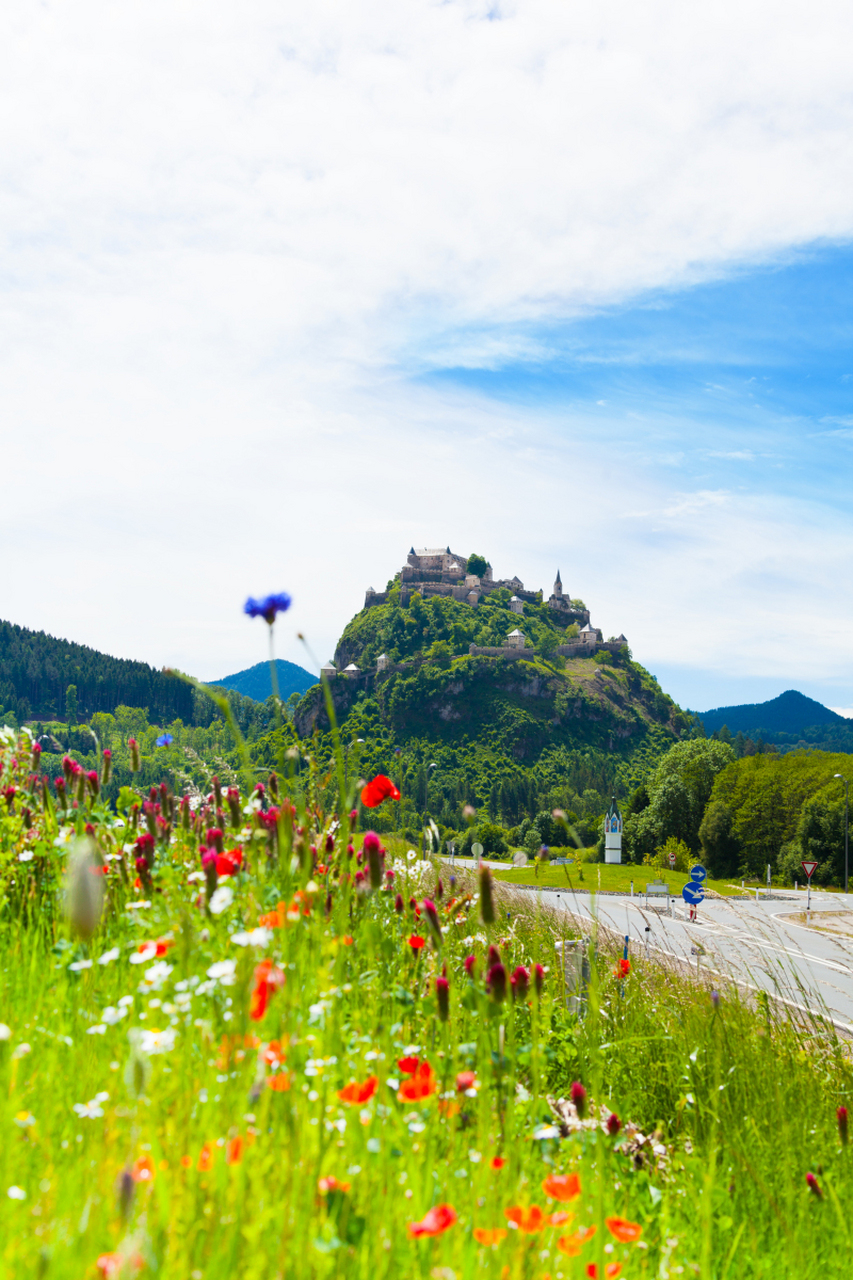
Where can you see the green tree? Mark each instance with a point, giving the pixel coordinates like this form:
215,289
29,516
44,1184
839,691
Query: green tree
720,846
477,565
548,643
71,704
678,791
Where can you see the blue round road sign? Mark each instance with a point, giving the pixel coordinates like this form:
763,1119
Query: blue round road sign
693,893
698,874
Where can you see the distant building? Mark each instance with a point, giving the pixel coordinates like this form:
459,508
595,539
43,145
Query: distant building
515,639
329,670
613,833
516,605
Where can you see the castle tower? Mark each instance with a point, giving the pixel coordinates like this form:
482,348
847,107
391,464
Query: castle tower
558,586
613,833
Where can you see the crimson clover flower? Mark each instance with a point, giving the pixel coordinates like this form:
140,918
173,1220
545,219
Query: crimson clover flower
268,607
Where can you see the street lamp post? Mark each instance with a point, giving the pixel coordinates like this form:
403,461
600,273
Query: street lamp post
426,808
846,828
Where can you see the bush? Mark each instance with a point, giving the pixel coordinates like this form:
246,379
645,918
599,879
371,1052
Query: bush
660,858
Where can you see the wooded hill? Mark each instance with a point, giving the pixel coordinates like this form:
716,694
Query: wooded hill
509,737
36,670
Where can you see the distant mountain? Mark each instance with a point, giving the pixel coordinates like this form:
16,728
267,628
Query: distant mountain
256,681
790,713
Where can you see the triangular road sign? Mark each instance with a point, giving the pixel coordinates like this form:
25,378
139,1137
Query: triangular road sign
809,868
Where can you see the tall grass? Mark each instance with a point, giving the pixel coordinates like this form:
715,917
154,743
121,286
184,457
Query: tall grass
230,1143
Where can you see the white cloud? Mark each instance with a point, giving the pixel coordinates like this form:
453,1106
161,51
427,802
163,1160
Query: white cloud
225,230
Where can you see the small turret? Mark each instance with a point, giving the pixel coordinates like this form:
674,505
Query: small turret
613,833
558,586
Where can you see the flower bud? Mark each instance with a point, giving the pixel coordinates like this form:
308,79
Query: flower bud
487,902
494,956
185,813
107,766
134,755
371,848
93,782
439,889
442,991
61,793
233,798
841,1117
431,917
217,791
814,1186
125,1190
215,838
85,890
614,1124
398,903
36,757
208,863
519,983
81,787
496,983
470,964
67,767
578,1096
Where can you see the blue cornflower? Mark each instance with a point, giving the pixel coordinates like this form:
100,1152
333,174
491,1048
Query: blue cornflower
165,740
268,607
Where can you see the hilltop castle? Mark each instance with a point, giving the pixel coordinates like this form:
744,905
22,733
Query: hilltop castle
433,572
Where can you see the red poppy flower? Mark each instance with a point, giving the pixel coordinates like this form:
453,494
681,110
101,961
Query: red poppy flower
379,789
611,1271
498,1162
416,942
228,864
624,1231
268,979
419,1085
560,1218
279,1082
434,1222
489,1236
527,1220
355,1094
408,1065
465,1080
234,1150
115,1264
562,1186
205,1160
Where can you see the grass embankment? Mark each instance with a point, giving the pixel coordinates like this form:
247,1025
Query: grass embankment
275,1078
610,879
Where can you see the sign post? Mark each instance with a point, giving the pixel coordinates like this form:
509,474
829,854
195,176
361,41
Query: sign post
477,850
694,891
809,868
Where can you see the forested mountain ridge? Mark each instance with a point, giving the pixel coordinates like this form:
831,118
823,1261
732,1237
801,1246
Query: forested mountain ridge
36,670
256,682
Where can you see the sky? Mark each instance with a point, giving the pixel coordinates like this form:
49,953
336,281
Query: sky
286,289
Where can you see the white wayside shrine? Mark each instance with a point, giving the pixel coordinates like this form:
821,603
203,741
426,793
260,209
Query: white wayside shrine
613,833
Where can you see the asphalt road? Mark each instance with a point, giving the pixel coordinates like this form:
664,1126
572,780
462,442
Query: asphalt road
756,943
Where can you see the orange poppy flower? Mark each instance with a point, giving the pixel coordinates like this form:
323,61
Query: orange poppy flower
355,1094
234,1150
186,1161
347,940
377,790
571,1245
205,1160
434,1222
465,1080
330,1183
611,1271
418,1086
274,919
279,1082
624,1231
143,1170
273,1054
498,1162
447,1107
489,1236
562,1186
560,1218
114,1264
527,1220
268,980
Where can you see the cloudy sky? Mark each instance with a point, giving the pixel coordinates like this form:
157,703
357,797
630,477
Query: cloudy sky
286,288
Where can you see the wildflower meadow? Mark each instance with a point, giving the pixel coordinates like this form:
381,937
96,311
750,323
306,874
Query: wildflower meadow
246,1039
